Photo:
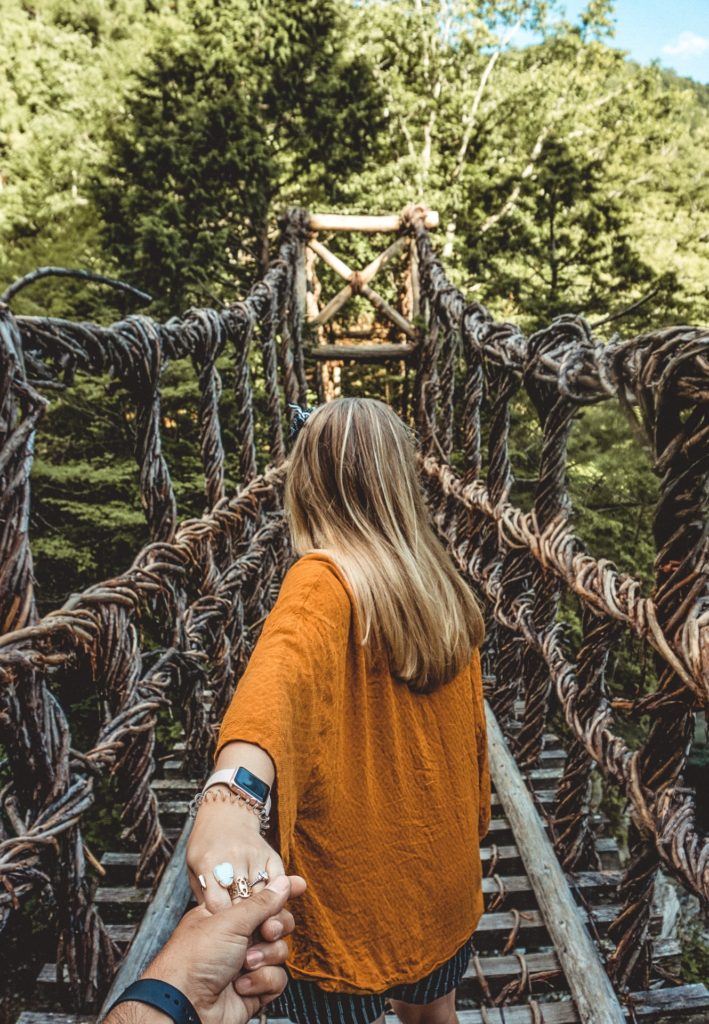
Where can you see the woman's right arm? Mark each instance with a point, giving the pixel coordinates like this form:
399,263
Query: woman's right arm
274,726
228,831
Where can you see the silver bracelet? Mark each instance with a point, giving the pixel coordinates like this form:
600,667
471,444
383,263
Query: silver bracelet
231,797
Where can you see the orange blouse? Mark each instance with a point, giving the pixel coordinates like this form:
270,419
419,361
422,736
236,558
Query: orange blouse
382,795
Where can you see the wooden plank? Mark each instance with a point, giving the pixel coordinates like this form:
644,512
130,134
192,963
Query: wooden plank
563,1012
167,907
368,224
122,934
124,895
501,970
543,778
588,981
501,831
497,970
319,317
508,861
517,891
173,811
174,786
389,312
362,353
545,797
173,769
686,1004
554,758
495,928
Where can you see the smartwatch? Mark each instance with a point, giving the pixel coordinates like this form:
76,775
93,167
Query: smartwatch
241,780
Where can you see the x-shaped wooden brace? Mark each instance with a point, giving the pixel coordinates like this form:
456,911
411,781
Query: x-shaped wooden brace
358,284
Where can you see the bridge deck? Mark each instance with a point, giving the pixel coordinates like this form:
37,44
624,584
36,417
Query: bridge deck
516,958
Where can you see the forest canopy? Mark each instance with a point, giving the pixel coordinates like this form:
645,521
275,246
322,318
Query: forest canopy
160,142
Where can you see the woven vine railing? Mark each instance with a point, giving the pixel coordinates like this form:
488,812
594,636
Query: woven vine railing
521,563
201,589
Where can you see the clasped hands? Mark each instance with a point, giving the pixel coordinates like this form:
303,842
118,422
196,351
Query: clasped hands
205,955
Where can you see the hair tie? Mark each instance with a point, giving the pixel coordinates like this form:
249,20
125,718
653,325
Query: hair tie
298,418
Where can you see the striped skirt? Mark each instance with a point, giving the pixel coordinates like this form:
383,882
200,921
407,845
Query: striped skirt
304,1003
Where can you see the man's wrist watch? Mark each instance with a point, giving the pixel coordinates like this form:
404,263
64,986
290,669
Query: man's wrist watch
243,782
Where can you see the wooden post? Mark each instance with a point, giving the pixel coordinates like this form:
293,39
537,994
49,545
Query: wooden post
415,280
301,284
312,293
161,918
590,986
322,374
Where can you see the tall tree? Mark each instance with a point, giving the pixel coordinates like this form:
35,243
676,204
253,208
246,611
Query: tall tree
242,108
560,162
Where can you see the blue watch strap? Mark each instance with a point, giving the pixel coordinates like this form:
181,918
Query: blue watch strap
162,996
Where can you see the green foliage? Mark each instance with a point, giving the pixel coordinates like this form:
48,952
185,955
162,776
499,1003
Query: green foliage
64,65
240,109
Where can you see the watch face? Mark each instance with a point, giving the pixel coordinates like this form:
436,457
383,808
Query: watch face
251,784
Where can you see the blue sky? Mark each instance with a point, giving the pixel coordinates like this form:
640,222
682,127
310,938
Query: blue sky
675,32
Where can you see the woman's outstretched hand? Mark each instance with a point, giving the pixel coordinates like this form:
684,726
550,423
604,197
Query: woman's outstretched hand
227,833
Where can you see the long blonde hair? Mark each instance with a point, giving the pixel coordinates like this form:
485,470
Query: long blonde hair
352,492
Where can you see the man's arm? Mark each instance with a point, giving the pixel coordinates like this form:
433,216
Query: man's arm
206,953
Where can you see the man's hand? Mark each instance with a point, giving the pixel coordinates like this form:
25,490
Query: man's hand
206,952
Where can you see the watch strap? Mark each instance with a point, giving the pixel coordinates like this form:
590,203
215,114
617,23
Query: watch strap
224,777
162,996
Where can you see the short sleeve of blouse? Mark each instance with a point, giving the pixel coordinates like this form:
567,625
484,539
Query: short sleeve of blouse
284,700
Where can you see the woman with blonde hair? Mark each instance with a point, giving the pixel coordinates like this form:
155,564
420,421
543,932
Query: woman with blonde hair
360,718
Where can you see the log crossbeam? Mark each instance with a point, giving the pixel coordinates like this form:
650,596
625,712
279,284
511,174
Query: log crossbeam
358,284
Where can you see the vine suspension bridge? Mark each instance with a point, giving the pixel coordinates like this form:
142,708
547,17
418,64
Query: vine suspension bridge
569,934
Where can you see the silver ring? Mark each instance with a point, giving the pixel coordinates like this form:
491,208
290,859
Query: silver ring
202,881
261,876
